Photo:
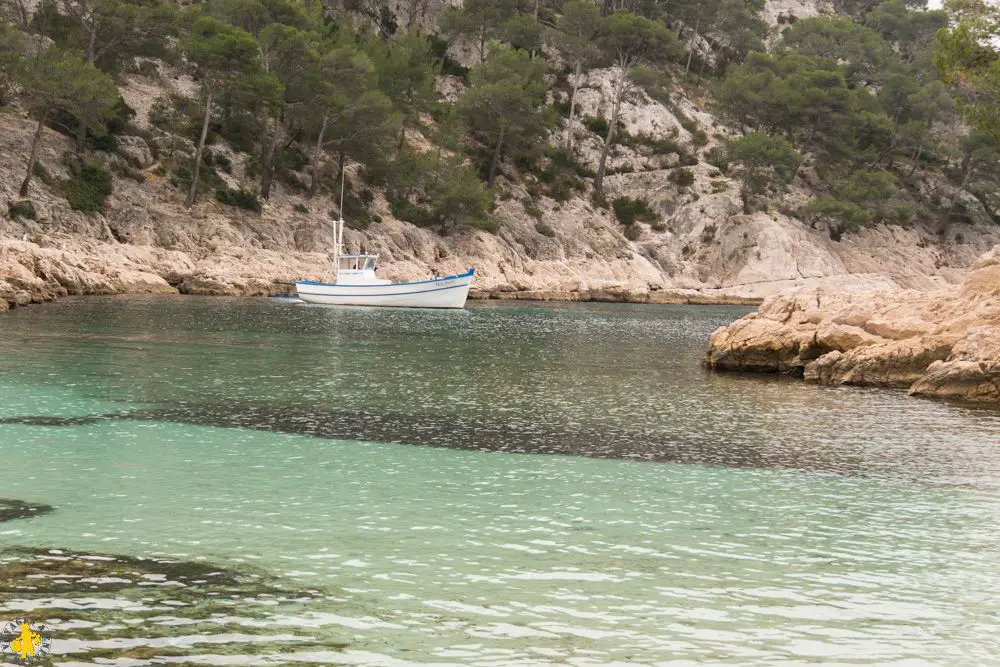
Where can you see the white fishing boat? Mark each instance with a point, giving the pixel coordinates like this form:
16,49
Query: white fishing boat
356,284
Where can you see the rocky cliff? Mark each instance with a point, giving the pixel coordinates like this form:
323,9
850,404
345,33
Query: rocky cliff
702,248
705,249
943,342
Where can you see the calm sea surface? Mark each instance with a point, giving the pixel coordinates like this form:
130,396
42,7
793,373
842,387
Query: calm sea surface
255,482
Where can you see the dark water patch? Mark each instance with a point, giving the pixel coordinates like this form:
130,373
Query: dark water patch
46,420
108,607
11,509
609,440
47,571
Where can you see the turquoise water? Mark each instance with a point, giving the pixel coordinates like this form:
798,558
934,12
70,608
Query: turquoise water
506,485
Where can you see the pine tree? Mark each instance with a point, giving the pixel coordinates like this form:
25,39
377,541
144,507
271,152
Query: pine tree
577,29
503,104
58,81
219,54
764,164
629,40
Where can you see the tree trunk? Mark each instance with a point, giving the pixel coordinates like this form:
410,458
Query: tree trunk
34,156
971,167
340,180
267,163
193,190
80,142
572,104
316,152
913,159
496,157
81,125
267,175
602,165
536,21
694,39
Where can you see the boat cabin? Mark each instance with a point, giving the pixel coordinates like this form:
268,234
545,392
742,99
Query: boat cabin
358,270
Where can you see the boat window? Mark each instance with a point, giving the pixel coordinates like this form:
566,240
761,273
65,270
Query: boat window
370,263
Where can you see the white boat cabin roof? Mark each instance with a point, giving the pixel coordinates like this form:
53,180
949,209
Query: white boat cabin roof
356,262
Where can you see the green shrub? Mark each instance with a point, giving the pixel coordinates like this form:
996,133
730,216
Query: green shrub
565,186
489,224
241,198
300,208
293,158
532,210
598,199
668,144
658,226
22,209
699,138
655,82
39,170
718,158
545,230
682,177
597,125
125,171
208,178
708,234
404,209
87,187
293,182
147,68
629,210
439,48
376,217
688,123
163,114
688,160
842,216
633,232
559,177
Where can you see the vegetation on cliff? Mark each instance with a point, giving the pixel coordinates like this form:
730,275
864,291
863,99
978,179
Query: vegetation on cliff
880,112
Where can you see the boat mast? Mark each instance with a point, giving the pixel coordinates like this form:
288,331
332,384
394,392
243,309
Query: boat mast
338,230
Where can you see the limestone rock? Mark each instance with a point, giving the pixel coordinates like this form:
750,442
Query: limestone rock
937,343
136,150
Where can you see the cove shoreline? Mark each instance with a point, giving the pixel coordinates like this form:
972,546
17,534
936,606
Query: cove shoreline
10,301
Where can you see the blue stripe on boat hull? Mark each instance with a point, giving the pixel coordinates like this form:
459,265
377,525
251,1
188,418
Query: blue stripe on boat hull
418,282
345,296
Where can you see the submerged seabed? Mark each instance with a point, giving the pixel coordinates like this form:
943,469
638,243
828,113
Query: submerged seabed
214,483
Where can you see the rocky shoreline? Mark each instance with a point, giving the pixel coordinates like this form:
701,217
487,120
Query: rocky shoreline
943,343
34,273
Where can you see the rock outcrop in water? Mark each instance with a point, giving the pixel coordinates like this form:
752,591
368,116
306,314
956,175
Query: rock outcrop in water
942,343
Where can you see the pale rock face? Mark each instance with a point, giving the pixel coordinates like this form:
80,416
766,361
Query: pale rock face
639,116
136,149
942,342
781,13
